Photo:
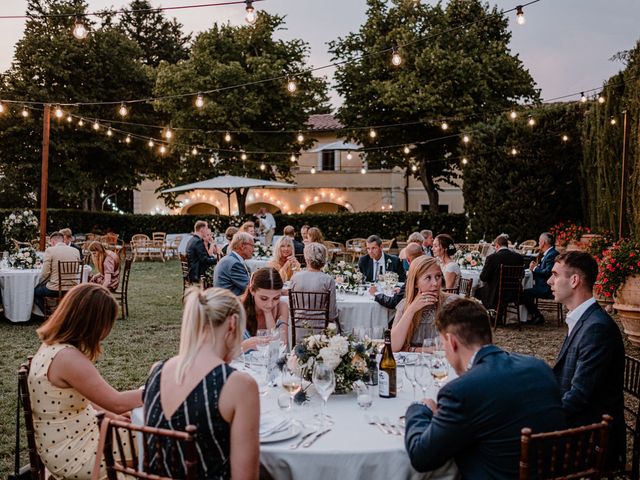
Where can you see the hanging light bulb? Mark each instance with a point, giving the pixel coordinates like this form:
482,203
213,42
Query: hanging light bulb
212,160
292,158
199,101
414,168
109,132
444,126
58,112
565,138
373,133
466,139
79,29
613,121
96,125
583,98
168,134
127,139
163,149
464,160
520,20
243,156
514,151
363,170
292,86
531,121
150,143
81,123
513,115
263,167
251,16
25,112
313,170
406,150
349,156
600,99
69,119
194,151
300,138
396,59
1,108
227,137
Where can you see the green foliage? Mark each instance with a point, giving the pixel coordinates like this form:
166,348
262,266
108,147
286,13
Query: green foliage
447,72
524,194
620,261
337,227
228,55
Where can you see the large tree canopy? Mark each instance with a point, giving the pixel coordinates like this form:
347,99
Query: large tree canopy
447,72
223,56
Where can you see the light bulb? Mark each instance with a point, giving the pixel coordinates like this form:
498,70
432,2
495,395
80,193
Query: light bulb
251,15
168,134
227,137
109,132
1,108
79,29
313,170
520,20
466,139
363,170
349,156
263,167
514,151
127,139
444,126
531,121
243,156
25,112
396,59
194,151
513,115
600,99
300,138
292,158
291,85
613,121
565,138
96,125
69,119
81,123
583,99
58,112
372,133
406,150
465,161
199,101
414,168
123,110
212,160
163,149
150,143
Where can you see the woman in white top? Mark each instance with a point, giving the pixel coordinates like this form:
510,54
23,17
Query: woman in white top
444,250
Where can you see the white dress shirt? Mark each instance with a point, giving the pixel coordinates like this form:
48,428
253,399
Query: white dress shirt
574,315
376,267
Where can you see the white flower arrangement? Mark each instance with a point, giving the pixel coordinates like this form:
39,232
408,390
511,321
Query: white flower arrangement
351,276
469,259
25,258
261,250
20,225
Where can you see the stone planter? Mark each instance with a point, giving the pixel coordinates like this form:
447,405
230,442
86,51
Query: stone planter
627,304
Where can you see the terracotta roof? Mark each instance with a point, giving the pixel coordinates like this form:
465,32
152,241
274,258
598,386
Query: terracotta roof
323,122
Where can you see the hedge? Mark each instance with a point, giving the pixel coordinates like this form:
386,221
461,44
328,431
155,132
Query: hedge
335,226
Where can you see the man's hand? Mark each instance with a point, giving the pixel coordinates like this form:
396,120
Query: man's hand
431,404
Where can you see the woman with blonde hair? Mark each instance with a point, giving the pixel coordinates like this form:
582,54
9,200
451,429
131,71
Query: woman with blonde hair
198,387
65,386
284,259
108,265
314,235
416,313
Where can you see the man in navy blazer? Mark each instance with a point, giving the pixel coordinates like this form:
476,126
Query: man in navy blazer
479,415
590,365
490,274
541,273
376,260
199,256
232,272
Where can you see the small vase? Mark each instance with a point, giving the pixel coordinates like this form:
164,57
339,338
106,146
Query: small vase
627,304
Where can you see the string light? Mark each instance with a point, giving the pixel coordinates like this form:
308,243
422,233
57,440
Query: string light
313,170
163,149
466,139
406,150
291,85
168,134
58,112
292,158
79,29
583,98
150,143
565,138
109,132
25,112
531,121
300,137
251,16
1,108
123,110
349,156
600,99
514,151
414,168
363,170
444,126
81,123
513,114
199,101
396,59
96,125
263,167
69,119
243,156
464,160
212,160
520,20
127,139
194,151
613,121
373,133
227,137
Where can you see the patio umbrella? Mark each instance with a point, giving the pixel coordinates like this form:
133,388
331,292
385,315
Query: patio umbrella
229,184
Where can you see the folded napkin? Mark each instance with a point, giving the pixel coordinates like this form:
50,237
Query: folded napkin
271,423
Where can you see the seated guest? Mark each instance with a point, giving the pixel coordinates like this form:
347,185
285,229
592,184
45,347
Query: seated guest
377,262
490,274
541,273
590,365
65,386
57,252
68,239
232,272
264,307
304,233
479,415
415,237
313,279
284,260
413,251
416,313
444,249
228,235
250,228
428,242
298,247
198,387
199,255
108,265
314,235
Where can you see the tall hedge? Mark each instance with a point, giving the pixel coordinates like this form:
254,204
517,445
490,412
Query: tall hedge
337,227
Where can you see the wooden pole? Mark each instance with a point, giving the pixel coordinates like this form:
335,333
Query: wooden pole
44,181
622,175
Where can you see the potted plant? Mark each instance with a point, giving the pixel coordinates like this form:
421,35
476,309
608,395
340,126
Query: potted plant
568,235
596,248
619,278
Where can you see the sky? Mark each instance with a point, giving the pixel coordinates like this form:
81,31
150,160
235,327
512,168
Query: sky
565,44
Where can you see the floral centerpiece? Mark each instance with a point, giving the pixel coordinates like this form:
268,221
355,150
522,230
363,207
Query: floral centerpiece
261,250
25,258
351,276
346,356
617,263
566,232
469,259
21,225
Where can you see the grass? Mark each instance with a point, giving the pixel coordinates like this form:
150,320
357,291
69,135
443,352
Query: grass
152,332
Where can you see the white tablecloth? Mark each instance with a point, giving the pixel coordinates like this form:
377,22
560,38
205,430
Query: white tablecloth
17,291
182,248
257,263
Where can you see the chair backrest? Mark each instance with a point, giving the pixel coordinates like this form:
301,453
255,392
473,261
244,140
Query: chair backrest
159,236
308,311
184,263
386,244
464,287
126,273
69,275
573,453
631,390
353,243
139,238
454,290
112,433
510,280
528,243
37,467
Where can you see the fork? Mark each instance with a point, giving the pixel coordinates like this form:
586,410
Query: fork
392,426
293,446
389,430
374,421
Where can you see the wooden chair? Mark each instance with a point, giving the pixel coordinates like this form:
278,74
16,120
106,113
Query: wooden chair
631,390
509,291
122,294
69,275
386,245
139,246
454,290
464,287
550,305
335,250
308,311
112,433
356,247
171,249
37,467
184,263
565,454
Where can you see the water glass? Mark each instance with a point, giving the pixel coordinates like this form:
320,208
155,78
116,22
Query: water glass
365,396
423,373
410,372
324,381
262,381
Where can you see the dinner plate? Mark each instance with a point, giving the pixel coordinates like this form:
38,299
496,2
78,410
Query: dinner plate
291,431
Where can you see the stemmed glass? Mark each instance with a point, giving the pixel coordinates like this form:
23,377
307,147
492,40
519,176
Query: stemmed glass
410,367
439,368
428,345
264,336
339,283
291,383
324,381
423,373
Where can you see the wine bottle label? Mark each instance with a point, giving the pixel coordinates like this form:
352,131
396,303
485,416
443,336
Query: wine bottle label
383,383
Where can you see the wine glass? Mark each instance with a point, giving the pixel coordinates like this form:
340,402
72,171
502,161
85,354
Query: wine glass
264,336
291,383
422,373
324,381
410,367
428,345
439,369
339,282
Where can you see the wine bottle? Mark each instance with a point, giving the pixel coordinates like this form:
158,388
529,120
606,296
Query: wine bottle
387,369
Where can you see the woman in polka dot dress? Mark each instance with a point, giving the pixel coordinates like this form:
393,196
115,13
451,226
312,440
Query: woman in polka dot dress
65,387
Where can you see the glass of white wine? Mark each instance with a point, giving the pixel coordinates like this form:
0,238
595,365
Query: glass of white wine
324,381
439,369
291,383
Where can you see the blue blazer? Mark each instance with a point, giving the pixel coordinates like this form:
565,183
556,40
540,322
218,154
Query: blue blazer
480,415
199,259
542,273
590,372
232,274
391,263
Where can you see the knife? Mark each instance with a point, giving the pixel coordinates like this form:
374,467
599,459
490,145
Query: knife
311,442
293,446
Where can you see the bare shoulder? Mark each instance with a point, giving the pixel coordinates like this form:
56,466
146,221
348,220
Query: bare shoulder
241,380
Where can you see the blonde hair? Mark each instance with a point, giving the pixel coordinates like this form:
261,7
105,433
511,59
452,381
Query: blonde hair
206,310
416,237
245,226
282,241
315,235
315,254
97,249
417,269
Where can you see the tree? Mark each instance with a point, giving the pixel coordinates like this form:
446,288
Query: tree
526,193
226,56
456,66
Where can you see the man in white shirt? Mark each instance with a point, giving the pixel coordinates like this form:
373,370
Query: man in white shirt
267,225
590,365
